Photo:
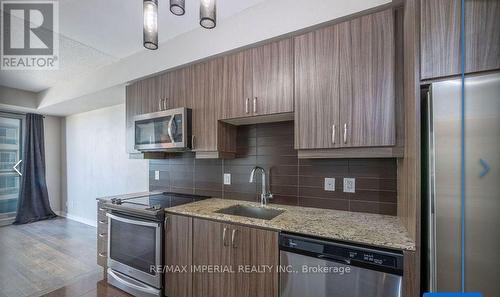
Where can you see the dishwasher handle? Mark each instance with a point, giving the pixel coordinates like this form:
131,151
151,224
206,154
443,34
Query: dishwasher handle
335,259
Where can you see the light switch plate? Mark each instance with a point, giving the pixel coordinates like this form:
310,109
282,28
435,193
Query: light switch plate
157,174
349,185
329,184
227,179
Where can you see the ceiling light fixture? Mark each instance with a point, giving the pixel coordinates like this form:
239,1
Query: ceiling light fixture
177,7
208,17
150,30
208,14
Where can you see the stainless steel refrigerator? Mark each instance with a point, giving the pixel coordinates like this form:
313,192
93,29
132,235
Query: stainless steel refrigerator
442,204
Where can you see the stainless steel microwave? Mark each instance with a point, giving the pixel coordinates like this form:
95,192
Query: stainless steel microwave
167,130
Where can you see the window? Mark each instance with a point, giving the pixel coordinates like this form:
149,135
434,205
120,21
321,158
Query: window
10,154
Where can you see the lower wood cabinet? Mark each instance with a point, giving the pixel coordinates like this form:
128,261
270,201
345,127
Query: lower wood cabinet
220,252
102,237
178,253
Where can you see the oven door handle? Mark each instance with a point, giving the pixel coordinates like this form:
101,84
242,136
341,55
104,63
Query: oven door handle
134,222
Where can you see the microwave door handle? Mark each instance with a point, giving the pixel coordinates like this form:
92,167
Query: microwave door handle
134,222
169,129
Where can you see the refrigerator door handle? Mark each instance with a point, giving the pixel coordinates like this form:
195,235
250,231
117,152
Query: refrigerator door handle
431,196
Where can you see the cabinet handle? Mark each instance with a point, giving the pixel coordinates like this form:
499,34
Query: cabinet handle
345,133
102,222
333,133
160,104
102,254
233,236
255,104
246,105
165,104
192,142
102,234
224,236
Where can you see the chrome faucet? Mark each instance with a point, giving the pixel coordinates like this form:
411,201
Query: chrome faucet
265,195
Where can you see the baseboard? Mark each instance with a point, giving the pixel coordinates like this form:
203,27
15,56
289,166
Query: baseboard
77,218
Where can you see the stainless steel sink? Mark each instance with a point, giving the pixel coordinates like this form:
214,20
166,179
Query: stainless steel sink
251,212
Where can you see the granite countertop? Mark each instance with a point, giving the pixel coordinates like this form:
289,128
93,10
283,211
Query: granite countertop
370,229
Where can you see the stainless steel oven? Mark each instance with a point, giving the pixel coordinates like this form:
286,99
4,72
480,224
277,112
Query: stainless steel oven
134,247
168,130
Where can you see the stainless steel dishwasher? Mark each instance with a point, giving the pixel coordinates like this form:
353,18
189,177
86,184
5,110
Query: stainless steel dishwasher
320,268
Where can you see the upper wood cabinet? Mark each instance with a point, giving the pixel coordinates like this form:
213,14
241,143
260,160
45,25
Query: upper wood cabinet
272,73
440,37
258,81
236,85
317,94
345,84
141,97
211,138
367,100
176,88
228,245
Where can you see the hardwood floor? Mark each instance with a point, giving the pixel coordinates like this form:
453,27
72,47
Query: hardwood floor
88,286
41,257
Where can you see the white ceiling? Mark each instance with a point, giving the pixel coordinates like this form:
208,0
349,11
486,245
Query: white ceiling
96,33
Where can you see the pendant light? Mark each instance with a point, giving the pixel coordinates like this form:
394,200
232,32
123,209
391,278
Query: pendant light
150,30
208,14
177,7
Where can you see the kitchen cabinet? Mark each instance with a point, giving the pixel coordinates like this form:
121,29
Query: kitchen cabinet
255,248
345,85
272,78
259,81
237,85
178,255
367,101
210,248
234,246
440,37
317,84
102,236
176,89
211,138
141,97
197,87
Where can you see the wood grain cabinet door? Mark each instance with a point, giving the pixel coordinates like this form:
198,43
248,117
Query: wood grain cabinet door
210,249
317,92
237,85
140,97
207,107
367,102
440,37
178,253
272,83
180,90
255,249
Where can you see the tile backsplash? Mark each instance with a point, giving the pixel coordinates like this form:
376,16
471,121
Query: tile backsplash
293,181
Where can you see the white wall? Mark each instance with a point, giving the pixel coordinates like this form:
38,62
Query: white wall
96,163
52,131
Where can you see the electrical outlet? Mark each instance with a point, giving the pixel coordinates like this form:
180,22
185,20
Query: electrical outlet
227,179
349,185
329,184
157,174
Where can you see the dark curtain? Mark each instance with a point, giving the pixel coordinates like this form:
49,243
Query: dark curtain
33,204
